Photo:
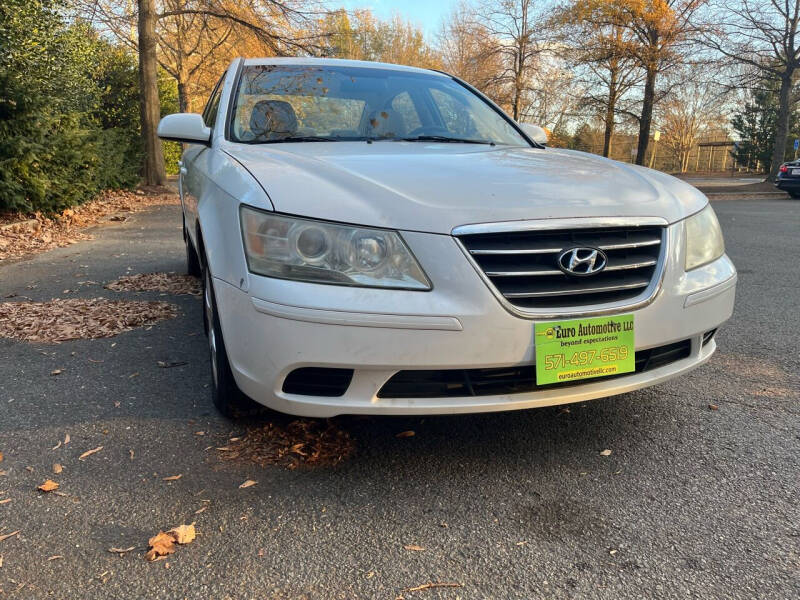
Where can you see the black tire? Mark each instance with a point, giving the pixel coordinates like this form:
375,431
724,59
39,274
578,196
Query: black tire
794,194
226,395
193,266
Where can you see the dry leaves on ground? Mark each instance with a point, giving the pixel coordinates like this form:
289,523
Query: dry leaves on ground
172,283
72,319
90,452
302,442
432,584
414,548
64,229
48,486
5,536
163,543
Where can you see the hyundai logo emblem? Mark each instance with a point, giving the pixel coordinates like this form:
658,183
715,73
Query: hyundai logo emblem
582,261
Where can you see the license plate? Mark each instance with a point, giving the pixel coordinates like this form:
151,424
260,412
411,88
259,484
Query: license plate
584,348
794,171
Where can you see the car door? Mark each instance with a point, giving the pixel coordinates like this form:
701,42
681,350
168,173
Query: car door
192,178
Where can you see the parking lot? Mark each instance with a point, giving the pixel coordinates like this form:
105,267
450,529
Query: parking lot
698,498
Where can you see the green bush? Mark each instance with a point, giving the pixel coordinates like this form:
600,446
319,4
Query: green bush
69,110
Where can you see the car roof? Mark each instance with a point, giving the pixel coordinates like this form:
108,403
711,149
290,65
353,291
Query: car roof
336,62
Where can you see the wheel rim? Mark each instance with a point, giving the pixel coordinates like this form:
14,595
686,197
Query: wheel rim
212,338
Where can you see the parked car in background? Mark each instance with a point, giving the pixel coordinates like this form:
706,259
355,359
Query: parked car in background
384,239
788,178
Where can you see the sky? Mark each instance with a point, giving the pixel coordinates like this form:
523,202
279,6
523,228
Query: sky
427,14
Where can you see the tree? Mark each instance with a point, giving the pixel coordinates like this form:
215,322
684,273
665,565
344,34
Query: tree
756,125
512,25
690,113
361,36
762,35
600,53
658,34
153,171
470,52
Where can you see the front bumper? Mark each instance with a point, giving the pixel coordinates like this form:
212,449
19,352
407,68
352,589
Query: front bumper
273,327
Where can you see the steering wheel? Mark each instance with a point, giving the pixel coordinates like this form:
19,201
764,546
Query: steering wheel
430,131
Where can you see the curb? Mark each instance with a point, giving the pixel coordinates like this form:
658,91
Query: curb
717,196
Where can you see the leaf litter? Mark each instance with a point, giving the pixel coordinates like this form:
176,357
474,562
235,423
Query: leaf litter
172,283
303,442
163,543
44,233
60,320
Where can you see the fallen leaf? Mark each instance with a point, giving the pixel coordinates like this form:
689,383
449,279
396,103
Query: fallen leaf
199,432
57,468
57,446
431,584
605,452
172,477
248,483
369,575
66,439
48,486
1,457
183,534
131,453
199,510
3,473
8,535
414,548
6,501
56,372
55,557
160,545
90,452
121,550
713,406
1,560
612,552
405,434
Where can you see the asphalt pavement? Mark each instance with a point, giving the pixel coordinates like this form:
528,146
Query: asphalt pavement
691,502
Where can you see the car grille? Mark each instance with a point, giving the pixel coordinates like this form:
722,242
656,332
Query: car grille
451,383
523,265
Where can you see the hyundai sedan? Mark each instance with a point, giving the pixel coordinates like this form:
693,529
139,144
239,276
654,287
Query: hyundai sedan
383,239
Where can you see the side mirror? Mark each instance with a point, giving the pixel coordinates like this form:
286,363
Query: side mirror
536,133
188,128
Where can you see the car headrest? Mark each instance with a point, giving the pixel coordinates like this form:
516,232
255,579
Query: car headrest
386,123
273,119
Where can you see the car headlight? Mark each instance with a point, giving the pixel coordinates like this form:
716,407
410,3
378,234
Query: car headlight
704,242
320,252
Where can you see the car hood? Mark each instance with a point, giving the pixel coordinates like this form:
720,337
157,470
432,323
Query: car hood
434,187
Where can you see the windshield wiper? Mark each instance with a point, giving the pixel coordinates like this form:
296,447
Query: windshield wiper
445,139
299,138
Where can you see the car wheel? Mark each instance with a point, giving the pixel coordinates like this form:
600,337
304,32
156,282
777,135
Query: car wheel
794,194
193,267
226,395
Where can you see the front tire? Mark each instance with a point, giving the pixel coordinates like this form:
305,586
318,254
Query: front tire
226,395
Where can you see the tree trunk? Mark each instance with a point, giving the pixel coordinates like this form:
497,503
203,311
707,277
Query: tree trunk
183,97
782,131
153,172
610,110
647,114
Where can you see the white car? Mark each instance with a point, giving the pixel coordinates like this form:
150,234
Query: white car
383,239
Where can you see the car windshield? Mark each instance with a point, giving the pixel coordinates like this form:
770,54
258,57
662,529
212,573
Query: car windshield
277,103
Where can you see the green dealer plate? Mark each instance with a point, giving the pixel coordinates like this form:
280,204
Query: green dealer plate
584,348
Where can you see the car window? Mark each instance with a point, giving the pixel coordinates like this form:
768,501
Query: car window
275,103
212,106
